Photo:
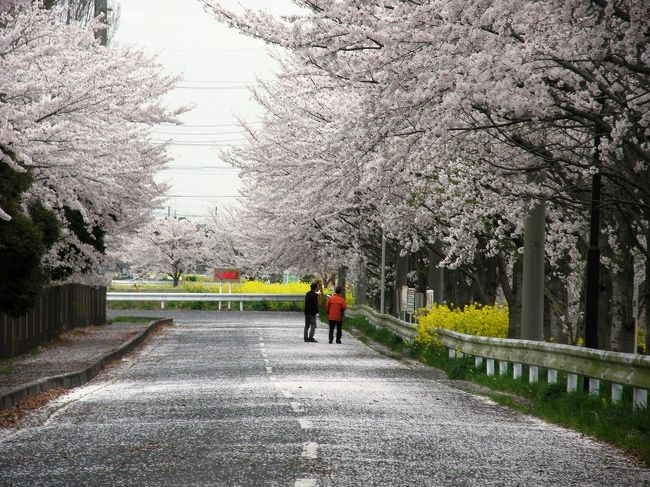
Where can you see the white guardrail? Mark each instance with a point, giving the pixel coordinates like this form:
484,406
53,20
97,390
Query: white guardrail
594,365
218,297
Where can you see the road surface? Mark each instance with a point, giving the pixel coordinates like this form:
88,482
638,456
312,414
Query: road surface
239,399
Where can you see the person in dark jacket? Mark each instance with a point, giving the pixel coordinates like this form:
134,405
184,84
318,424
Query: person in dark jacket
311,310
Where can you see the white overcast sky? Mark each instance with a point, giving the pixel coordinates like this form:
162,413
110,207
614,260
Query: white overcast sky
216,64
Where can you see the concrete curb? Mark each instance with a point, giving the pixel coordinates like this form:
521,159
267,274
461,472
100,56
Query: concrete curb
75,379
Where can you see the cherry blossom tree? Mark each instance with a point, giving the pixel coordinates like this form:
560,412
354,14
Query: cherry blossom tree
453,118
171,246
76,115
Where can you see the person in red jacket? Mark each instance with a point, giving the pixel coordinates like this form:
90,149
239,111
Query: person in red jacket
335,307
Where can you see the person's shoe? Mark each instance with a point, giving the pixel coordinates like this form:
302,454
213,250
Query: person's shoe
313,340
306,339
330,341
338,341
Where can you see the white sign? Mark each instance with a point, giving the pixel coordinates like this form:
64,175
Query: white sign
410,301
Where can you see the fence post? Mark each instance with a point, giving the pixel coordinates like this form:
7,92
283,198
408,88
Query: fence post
478,362
503,367
640,398
617,393
516,371
490,366
571,382
594,386
551,376
533,374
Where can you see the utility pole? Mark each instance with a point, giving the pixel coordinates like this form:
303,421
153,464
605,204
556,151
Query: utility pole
532,305
101,34
383,272
593,254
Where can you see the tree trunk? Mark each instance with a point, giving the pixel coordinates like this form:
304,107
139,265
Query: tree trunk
646,289
401,276
605,299
436,276
457,288
556,308
532,319
623,324
341,282
362,285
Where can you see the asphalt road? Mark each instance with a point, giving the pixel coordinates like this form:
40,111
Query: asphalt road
238,399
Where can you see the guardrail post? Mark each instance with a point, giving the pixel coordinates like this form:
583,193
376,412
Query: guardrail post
594,386
241,306
516,371
617,392
533,374
640,398
452,353
478,362
162,305
503,367
490,366
571,382
551,376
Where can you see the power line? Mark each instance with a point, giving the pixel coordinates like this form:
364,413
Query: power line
215,88
216,125
205,50
205,196
199,133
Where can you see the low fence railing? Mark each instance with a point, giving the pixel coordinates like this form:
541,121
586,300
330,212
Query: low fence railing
213,297
56,308
594,365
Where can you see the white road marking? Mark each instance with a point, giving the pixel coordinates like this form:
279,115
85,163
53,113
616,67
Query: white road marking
305,483
310,450
267,361
262,350
297,407
269,369
261,344
271,377
306,424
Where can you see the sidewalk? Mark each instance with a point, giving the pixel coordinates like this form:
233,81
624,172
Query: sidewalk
70,360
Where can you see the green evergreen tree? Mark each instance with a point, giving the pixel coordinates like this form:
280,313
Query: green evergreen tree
23,241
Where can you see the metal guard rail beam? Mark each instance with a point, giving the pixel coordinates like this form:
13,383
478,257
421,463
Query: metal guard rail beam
621,368
222,297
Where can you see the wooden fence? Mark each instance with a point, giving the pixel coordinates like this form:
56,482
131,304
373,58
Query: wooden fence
57,308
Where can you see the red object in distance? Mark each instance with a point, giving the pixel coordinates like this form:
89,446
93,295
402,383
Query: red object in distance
226,275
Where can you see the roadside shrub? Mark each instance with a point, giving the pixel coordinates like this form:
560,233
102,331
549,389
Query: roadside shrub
491,321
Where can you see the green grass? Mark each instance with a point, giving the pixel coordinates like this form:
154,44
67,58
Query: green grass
379,335
5,367
131,319
206,305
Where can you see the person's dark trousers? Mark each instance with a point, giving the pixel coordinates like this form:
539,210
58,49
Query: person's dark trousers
339,332
310,326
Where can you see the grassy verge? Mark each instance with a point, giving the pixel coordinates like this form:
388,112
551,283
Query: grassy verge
596,416
206,305
131,319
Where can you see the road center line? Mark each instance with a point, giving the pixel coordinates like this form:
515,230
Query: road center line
269,369
297,407
310,450
305,483
306,424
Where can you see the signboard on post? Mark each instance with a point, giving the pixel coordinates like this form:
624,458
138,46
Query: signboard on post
410,300
226,275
